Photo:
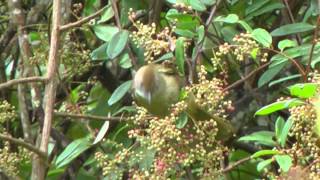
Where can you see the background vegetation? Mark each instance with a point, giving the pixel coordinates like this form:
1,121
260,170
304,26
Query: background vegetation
66,108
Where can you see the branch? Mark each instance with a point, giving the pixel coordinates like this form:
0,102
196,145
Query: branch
22,81
83,20
315,41
93,117
26,145
233,165
235,84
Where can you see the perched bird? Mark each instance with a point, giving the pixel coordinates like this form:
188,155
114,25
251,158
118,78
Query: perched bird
157,86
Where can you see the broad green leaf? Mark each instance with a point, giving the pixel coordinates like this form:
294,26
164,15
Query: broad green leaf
262,36
102,132
285,131
292,29
119,92
105,33
231,18
303,90
72,151
271,6
183,21
245,26
287,78
267,152
165,57
179,53
286,43
279,127
197,5
125,61
284,161
117,44
263,164
277,106
201,34
255,6
100,52
269,74
261,137
106,15
184,32
208,2
182,120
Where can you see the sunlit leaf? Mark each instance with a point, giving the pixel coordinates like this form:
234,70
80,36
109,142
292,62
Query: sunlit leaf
262,36
284,161
292,29
303,90
267,152
261,137
277,106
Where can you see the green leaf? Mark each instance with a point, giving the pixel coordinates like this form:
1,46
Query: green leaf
286,43
184,32
265,9
292,29
285,131
166,56
262,36
277,106
279,126
102,132
231,18
261,137
284,161
303,90
105,33
106,15
267,152
264,164
72,151
255,6
182,120
245,25
125,61
269,74
208,2
197,5
183,21
179,53
100,52
287,78
201,34
117,44
119,92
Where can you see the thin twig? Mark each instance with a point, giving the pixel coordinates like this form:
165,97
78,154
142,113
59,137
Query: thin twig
83,20
315,41
297,64
237,163
198,46
292,19
21,81
94,117
235,84
26,145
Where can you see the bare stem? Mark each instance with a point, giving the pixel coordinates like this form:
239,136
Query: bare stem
93,117
22,81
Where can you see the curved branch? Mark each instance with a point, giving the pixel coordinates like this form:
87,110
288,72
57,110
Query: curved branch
22,81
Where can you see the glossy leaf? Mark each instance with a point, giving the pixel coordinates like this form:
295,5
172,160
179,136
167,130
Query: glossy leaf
284,79
106,15
269,7
201,34
125,61
263,164
117,44
179,53
102,132
105,33
72,151
279,127
182,120
100,52
303,90
292,29
262,36
269,74
284,161
231,18
261,137
267,152
119,92
277,106
197,5
285,131
286,43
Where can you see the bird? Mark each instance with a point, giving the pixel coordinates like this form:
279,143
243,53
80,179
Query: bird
157,86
